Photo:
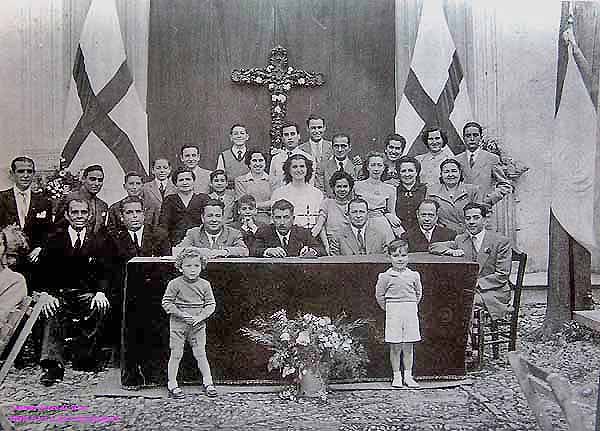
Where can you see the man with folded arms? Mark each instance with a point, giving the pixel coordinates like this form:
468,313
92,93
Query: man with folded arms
428,231
213,237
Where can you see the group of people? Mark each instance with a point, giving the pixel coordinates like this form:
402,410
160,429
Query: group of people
310,199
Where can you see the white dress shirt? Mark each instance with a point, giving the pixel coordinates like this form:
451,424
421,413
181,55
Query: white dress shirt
139,234
478,240
73,235
281,237
23,200
427,233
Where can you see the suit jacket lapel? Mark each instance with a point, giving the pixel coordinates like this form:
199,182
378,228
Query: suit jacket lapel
155,191
482,256
351,240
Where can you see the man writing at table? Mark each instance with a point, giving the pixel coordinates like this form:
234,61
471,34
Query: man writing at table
282,238
493,253
213,237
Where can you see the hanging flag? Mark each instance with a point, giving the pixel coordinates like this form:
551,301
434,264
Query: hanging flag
104,120
576,145
435,93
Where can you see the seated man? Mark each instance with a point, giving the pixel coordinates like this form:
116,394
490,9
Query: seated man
282,238
133,185
493,253
78,308
213,237
360,237
428,230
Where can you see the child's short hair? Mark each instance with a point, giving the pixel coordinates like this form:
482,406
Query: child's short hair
188,253
214,174
246,200
397,244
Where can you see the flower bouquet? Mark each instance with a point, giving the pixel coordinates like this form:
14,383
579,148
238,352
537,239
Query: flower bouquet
60,183
311,347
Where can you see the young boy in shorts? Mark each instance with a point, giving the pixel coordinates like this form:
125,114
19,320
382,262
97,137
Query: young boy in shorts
189,301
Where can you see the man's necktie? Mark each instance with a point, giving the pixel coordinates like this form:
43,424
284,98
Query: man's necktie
284,242
361,242
136,241
23,208
161,188
471,160
341,166
473,244
239,155
77,245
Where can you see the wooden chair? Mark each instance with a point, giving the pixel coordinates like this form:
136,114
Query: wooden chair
536,381
7,331
488,332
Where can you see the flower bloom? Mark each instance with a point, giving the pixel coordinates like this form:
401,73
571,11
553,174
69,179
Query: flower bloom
285,336
287,371
258,80
301,81
303,338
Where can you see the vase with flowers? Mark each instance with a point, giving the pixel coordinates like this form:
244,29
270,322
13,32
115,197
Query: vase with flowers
312,348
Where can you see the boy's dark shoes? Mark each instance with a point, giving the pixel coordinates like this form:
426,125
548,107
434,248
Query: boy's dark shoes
52,375
176,392
211,391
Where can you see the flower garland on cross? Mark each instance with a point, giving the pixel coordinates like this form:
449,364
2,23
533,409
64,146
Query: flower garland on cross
279,78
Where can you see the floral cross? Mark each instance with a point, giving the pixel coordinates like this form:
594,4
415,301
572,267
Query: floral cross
279,78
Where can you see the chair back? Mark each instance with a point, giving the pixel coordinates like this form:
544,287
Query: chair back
516,288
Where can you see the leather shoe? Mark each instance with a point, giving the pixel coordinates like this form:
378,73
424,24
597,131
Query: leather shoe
52,375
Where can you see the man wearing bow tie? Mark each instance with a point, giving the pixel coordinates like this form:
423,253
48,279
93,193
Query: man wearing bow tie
232,160
493,253
29,210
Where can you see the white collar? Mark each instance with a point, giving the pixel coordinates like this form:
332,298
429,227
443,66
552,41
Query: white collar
474,153
18,191
286,236
139,233
235,149
427,233
362,229
478,239
73,234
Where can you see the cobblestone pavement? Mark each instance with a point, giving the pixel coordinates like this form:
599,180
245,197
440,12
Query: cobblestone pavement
493,402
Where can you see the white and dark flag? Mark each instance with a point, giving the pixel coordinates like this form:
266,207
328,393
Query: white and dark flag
105,122
435,93
576,145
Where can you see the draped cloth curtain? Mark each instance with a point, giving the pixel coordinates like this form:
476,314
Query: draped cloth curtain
193,48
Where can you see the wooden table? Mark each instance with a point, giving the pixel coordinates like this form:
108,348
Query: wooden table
247,287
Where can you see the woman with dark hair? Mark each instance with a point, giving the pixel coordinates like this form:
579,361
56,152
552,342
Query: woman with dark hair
380,197
333,215
452,193
410,192
436,141
297,171
256,183
12,284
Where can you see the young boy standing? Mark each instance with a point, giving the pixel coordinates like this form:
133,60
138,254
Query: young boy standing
189,301
232,160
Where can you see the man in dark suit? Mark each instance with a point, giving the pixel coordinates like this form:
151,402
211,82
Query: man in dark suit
339,161
360,237
91,184
132,183
428,230
78,305
493,253
161,186
135,238
282,238
21,206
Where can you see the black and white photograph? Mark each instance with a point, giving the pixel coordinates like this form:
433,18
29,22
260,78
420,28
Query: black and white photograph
349,215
